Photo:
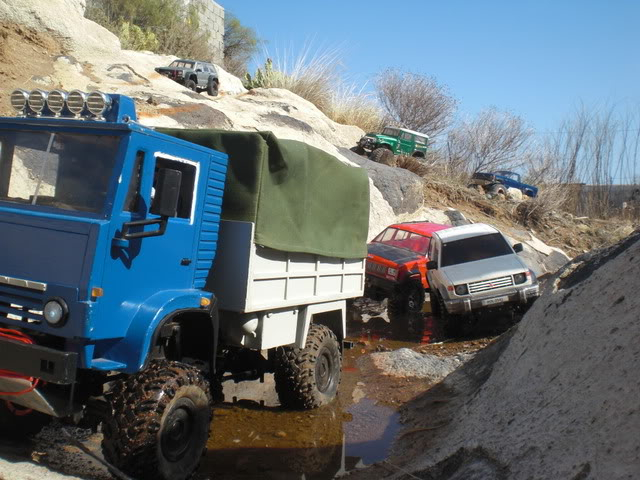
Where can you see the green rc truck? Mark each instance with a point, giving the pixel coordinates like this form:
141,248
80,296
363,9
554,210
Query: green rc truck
383,147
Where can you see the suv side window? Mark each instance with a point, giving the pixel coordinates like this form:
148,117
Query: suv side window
406,136
421,140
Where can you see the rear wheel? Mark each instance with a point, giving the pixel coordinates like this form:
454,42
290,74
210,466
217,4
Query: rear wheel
191,85
309,377
498,190
159,424
384,156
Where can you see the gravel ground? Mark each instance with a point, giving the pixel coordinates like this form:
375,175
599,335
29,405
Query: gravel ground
405,362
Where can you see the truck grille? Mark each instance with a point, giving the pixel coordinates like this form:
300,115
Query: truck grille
376,268
492,284
20,304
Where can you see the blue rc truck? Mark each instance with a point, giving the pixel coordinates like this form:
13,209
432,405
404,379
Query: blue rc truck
497,183
140,269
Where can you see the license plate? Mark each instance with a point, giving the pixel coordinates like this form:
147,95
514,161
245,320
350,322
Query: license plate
494,301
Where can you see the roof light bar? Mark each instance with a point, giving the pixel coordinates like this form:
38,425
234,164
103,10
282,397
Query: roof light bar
91,106
19,100
76,102
98,103
37,101
56,101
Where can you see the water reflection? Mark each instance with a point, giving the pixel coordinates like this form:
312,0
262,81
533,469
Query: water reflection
250,441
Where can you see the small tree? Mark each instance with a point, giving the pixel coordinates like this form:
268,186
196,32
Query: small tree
493,140
240,45
415,101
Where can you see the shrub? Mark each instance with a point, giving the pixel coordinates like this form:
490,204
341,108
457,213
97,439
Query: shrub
240,45
163,26
415,101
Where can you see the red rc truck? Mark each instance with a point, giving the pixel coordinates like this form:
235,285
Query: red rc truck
397,265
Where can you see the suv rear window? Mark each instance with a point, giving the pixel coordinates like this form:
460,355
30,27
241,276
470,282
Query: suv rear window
474,248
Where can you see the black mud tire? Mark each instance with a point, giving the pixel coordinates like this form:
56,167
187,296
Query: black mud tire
191,85
358,149
453,326
384,156
20,426
159,425
498,189
212,87
408,298
309,378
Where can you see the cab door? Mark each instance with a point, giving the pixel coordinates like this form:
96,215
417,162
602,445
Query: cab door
139,268
406,143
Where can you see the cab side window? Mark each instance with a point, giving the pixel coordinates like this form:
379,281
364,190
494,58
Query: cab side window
187,186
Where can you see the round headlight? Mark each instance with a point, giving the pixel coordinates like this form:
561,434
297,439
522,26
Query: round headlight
55,312
56,101
98,103
519,278
461,290
76,101
37,100
19,100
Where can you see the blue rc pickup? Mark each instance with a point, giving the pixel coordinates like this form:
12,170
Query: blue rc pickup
498,182
140,269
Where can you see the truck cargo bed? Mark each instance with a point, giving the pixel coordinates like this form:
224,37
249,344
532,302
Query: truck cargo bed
249,278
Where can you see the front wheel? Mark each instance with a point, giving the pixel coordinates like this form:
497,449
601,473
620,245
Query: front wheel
384,156
308,378
212,86
159,425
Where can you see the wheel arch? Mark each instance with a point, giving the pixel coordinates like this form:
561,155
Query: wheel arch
330,314
135,348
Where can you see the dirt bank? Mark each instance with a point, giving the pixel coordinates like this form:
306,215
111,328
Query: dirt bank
557,397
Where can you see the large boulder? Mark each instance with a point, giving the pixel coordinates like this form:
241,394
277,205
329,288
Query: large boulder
403,189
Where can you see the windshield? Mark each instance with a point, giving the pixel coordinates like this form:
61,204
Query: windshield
474,248
181,64
392,132
60,170
403,239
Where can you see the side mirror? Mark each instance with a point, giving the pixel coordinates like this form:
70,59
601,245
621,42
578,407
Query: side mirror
518,247
198,70
432,265
165,200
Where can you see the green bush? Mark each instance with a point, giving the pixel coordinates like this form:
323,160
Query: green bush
162,26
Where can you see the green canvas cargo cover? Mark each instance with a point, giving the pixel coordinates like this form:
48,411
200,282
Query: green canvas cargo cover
300,198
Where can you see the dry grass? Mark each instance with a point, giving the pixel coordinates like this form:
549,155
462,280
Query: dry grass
551,198
419,167
315,75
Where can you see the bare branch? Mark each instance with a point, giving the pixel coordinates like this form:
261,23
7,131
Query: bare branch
415,101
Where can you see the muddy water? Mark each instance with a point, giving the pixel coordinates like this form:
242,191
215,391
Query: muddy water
252,437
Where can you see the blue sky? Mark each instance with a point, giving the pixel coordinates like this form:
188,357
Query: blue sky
538,59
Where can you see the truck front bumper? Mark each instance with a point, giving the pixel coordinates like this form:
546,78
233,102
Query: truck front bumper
521,296
51,366
36,361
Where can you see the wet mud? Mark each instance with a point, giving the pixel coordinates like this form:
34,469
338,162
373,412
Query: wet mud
253,437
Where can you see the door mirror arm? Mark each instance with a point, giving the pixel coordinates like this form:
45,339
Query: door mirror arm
127,235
